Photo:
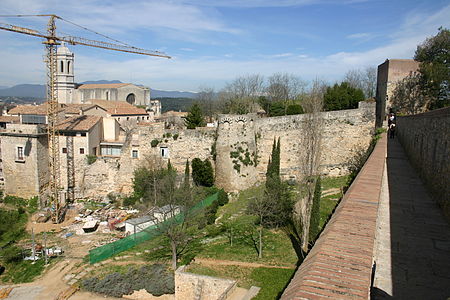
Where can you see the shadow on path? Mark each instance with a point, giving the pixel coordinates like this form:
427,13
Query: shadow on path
420,236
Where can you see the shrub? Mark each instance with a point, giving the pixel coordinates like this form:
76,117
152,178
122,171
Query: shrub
222,198
175,136
294,109
202,172
129,201
91,159
154,143
155,279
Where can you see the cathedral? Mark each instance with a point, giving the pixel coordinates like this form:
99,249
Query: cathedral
71,93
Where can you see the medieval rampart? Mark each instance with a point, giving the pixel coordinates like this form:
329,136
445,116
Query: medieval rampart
244,144
426,140
239,149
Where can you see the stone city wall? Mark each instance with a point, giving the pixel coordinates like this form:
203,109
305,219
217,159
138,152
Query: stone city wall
239,149
244,140
426,140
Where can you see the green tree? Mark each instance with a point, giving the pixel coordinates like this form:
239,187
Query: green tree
314,222
342,96
434,58
294,109
195,117
187,176
202,172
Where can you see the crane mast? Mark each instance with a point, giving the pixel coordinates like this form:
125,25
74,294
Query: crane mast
52,122
51,42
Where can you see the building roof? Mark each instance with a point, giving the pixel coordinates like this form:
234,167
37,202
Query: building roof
75,108
102,85
9,119
78,123
29,110
119,108
137,221
40,109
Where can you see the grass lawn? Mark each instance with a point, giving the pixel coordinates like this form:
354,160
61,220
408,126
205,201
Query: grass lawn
329,202
277,249
24,271
272,281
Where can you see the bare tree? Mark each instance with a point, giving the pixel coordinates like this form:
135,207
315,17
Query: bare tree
363,79
206,97
174,214
284,87
310,153
240,96
370,81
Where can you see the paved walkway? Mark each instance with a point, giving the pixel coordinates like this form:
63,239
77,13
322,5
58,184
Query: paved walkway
413,238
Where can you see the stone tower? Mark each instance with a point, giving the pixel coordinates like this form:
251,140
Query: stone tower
65,83
236,152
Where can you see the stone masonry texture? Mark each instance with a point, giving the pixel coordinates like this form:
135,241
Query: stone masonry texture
426,140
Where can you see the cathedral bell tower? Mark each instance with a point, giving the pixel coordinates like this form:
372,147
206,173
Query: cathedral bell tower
65,84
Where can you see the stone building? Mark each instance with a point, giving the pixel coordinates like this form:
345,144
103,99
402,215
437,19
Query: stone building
389,73
70,92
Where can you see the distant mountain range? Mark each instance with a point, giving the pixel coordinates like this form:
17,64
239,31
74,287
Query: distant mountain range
38,91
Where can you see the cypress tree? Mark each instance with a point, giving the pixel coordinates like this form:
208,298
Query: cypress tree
273,180
314,222
187,174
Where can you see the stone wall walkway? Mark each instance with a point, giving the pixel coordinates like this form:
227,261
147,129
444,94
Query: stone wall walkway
413,238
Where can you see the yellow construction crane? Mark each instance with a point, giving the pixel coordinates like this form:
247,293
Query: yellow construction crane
51,42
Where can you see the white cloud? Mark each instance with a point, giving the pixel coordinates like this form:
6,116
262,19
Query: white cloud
358,35
121,16
23,64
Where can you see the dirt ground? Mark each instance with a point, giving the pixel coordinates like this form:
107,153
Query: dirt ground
51,284
75,247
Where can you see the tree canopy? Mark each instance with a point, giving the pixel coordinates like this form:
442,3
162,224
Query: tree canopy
195,117
434,68
342,96
202,172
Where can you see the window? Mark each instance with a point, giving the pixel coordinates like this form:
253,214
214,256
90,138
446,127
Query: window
110,150
20,153
64,150
81,150
164,152
134,154
68,67
107,95
62,66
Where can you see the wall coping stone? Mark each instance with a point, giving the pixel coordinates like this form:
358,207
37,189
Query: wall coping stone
340,263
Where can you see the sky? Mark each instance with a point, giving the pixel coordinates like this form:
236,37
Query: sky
211,42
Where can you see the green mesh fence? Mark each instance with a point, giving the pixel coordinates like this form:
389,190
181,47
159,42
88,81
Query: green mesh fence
106,251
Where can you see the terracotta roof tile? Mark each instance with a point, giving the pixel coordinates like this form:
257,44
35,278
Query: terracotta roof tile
40,109
79,123
9,119
119,107
75,108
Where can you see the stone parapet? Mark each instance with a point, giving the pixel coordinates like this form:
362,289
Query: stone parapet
339,266
426,140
